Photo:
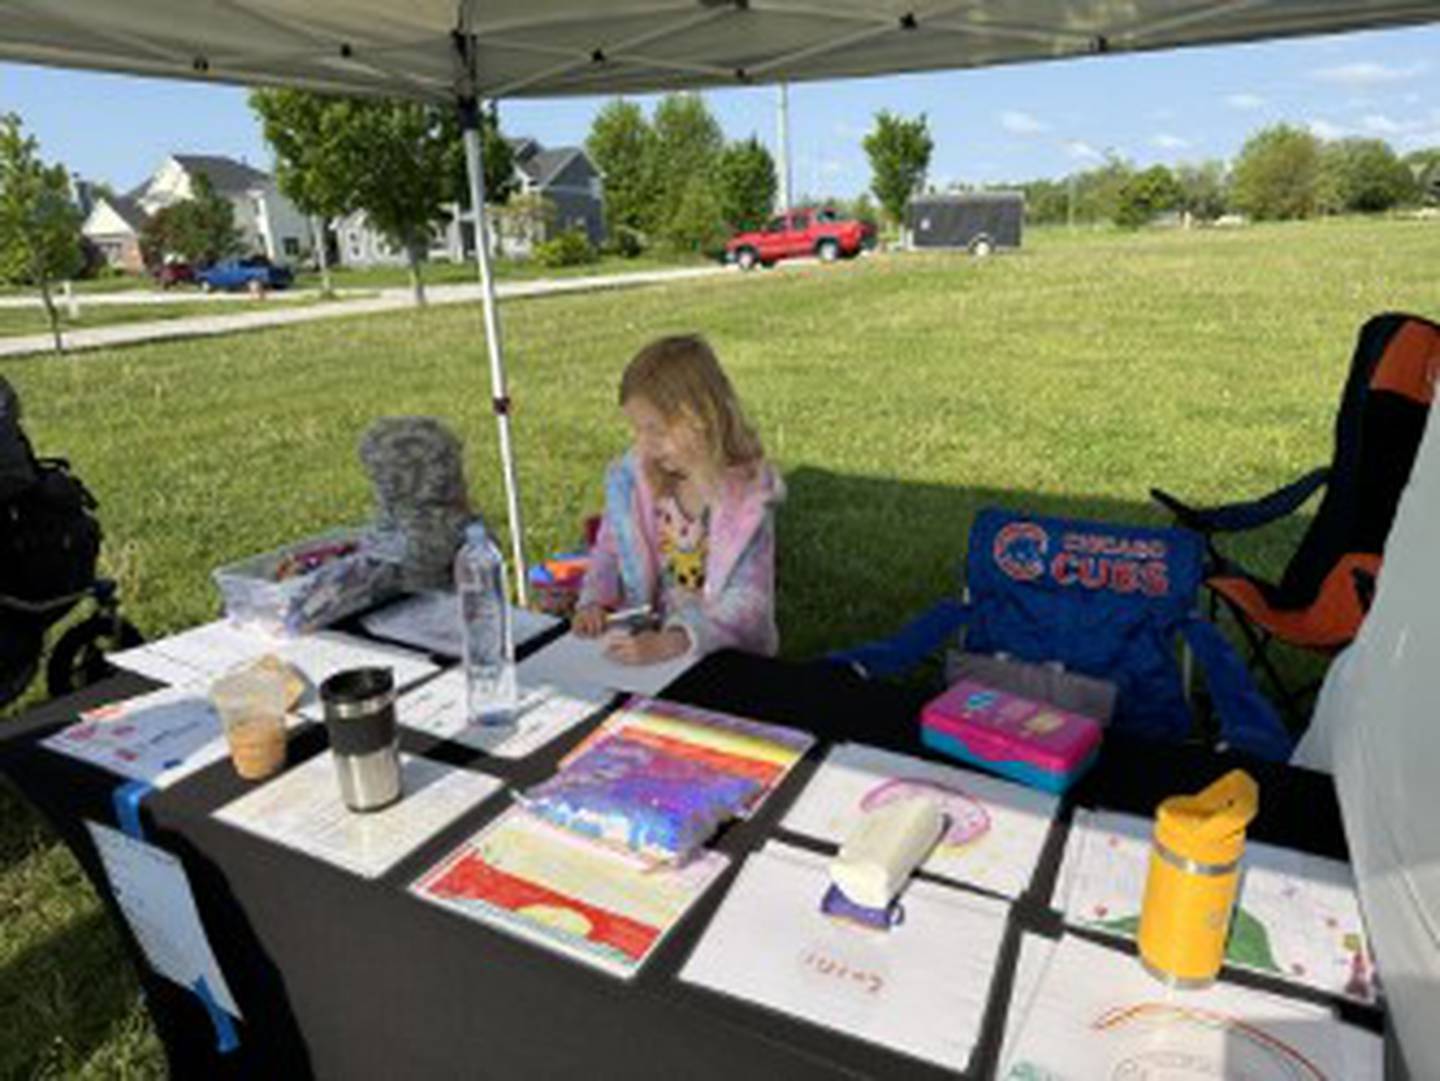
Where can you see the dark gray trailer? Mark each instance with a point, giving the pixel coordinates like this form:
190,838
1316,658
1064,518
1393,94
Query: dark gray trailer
979,221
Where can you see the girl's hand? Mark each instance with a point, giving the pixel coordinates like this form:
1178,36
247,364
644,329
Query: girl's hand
588,621
646,647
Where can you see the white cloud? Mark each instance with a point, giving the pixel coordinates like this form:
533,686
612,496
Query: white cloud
831,168
1325,129
1166,141
1244,101
1383,125
1366,73
1019,123
1082,151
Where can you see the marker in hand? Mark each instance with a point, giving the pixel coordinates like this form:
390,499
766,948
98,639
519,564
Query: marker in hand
631,619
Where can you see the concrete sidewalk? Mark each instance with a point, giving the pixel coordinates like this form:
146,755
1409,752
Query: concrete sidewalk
386,300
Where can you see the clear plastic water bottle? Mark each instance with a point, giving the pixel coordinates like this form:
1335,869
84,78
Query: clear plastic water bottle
490,689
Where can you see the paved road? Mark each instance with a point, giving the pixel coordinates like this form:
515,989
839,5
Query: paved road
267,315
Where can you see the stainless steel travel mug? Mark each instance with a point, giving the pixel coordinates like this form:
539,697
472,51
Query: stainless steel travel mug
360,718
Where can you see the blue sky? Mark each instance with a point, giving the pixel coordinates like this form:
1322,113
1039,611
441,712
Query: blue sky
996,124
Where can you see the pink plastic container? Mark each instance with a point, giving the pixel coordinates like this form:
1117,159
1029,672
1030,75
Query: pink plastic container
1028,741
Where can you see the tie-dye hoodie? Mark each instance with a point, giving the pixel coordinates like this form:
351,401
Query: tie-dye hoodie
737,607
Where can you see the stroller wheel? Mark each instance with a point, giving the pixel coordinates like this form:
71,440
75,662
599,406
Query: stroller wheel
78,658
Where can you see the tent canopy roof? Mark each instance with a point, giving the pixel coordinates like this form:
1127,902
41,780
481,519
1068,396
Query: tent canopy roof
535,48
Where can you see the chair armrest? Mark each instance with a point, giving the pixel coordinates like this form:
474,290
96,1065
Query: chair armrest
909,646
1239,517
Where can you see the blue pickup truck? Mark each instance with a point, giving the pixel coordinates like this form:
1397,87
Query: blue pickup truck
255,274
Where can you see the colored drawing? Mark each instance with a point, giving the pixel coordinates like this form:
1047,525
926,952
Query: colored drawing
758,754
966,819
1082,1012
1296,917
539,883
1246,1050
994,829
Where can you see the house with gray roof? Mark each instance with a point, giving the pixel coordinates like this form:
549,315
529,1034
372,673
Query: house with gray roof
565,176
269,223
112,225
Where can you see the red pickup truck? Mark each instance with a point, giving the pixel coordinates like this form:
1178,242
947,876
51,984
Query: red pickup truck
819,232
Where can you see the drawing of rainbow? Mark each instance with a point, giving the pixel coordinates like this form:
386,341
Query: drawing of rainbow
1265,1055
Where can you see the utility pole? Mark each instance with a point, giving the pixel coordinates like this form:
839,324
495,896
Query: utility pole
784,146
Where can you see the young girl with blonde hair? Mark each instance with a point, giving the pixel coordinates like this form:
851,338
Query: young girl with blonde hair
688,529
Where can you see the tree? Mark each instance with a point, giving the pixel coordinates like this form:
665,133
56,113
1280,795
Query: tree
1424,166
300,127
1277,175
688,142
623,147
899,152
1363,176
1046,201
1146,194
745,176
334,155
39,225
697,224
201,230
211,219
1097,190
1202,189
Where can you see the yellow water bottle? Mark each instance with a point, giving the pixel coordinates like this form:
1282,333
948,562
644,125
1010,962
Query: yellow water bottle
1194,874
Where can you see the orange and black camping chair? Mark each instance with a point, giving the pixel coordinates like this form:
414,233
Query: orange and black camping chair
1326,590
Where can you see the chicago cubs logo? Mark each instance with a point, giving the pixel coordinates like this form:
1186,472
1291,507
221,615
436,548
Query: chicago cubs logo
1019,550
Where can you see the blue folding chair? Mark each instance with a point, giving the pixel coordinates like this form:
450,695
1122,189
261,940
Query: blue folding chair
1104,600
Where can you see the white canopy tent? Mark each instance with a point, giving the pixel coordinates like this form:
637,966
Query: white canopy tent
445,51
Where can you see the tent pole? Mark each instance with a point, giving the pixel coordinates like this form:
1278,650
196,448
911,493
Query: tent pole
500,400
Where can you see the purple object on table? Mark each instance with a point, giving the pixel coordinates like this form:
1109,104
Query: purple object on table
838,906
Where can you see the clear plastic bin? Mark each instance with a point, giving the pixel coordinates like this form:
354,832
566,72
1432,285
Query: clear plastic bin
309,584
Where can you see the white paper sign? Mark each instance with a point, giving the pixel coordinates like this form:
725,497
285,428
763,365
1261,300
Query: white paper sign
919,988
581,663
151,888
1080,1011
431,621
438,709
994,830
200,655
157,738
302,809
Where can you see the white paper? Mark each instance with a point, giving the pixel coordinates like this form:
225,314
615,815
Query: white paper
195,658
151,888
1080,1011
431,621
919,988
1297,915
581,663
994,833
545,713
158,738
302,809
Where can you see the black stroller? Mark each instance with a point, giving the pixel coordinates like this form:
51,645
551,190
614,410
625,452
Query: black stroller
49,546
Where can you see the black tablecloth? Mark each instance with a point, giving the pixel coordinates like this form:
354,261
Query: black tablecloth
345,978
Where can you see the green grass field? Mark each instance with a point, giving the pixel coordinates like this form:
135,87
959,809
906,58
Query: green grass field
897,393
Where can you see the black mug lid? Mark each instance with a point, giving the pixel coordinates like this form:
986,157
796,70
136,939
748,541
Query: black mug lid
357,692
